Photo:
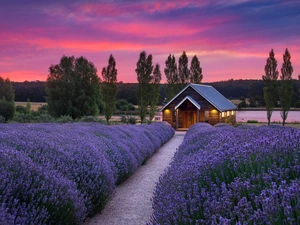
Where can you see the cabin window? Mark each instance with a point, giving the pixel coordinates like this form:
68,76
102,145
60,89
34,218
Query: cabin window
228,113
223,114
232,112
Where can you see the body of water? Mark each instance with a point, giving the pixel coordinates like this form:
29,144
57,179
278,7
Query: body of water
261,116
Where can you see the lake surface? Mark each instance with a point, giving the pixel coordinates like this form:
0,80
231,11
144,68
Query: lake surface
261,116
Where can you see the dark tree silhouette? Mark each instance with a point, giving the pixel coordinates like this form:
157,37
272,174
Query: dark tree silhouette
271,88
171,72
73,88
143,70
183,70
285,90
109,87
196,75
155,87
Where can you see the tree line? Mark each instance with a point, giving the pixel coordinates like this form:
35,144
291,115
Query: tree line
73,87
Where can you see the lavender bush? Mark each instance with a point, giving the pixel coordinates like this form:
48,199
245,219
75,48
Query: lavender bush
63,173
226,175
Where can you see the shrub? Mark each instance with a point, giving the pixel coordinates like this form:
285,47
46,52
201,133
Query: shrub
32,195
131,107
123,108
132,120
229,175
91,119
242,104
43,109
45,118
297,105
124,119
121,103
65,119
78,163
7,109
2,119
21,109
24,118
252,121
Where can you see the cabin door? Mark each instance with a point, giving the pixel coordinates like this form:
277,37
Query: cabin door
188,118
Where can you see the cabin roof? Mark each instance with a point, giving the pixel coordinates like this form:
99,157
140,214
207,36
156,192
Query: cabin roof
210,94
193,101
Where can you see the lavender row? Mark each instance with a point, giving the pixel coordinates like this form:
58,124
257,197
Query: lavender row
63,173
226,175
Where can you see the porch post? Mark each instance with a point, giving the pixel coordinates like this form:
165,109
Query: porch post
177,119
197,120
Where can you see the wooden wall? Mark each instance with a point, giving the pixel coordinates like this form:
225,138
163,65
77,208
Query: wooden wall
214,115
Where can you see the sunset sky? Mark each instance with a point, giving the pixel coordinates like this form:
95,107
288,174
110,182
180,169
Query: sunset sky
232,39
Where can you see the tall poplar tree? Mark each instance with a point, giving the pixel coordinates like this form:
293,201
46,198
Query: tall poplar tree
155,86
183,70
285,90
109,87
143,70
271,88
196,75
171,72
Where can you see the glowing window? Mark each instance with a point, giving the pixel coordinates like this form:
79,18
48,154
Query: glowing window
228,113
223,114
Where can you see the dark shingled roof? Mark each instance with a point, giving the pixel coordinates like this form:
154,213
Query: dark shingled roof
211,95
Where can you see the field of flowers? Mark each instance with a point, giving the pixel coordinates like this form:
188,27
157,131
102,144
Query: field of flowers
64,173
226,175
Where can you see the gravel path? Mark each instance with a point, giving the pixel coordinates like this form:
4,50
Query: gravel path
131,203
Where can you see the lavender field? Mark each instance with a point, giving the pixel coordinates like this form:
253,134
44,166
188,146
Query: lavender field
64,173
226,175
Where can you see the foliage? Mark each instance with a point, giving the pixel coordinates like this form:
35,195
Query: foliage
196,75
109,87
7,109
123,105
132,120
171,73
28,106
2,119
270,80
43,109
230,89
128,119
252,121
33,90
65,119
297,105
154,89
45,118
6,90
183,70
20,109
143,70
62,173
242,104
285,90
226,175
91,119
73,88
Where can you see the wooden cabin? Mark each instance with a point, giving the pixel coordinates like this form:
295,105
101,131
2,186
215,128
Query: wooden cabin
198,103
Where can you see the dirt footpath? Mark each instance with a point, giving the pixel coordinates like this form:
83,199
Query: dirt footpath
131,204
